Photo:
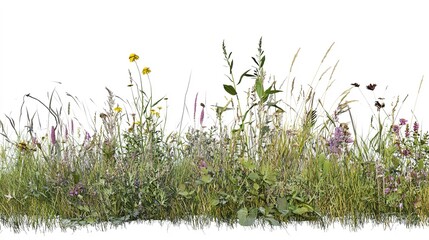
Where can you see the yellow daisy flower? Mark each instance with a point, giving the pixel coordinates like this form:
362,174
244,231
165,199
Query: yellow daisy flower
117,109
146,70
133,57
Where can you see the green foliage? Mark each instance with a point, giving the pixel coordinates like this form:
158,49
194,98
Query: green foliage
276,163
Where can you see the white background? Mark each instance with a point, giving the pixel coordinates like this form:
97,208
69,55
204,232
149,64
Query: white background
85,45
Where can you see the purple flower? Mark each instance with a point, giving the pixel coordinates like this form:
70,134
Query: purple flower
386,190
202,164
66,133
76,190
87,136
401,205
338,140
407,131
416,127
202,116
53,138
395,129
406,152
402,121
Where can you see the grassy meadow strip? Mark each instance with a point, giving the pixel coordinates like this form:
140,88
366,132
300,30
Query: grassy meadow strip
285,158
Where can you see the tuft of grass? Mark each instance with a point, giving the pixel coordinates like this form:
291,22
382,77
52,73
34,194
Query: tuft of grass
284,158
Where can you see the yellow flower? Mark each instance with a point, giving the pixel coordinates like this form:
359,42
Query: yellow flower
154,112
117,109
146,70
133,57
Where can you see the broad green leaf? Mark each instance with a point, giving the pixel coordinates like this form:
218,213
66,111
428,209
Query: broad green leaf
247,218
206,178
256,186
230,89
303,209
214,202
282,204
253,176
259,88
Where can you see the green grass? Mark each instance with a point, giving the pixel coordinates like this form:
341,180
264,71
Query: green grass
280,161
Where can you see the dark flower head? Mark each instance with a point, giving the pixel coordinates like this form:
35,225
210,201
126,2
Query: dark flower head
371,86
379,105
356,84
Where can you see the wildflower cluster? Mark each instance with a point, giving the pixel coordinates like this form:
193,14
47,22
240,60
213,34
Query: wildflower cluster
340,139
411,144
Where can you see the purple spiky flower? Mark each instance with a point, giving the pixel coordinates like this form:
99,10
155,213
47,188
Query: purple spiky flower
53,137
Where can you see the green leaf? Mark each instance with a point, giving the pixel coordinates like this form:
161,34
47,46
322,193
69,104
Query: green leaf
247,218
282,204
256,186
273,222
303,209
257,64
254,176
272,91
214,202
244,75
248,165
230,89
230,66
262,62
83,208
206,178
271,104
259,88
